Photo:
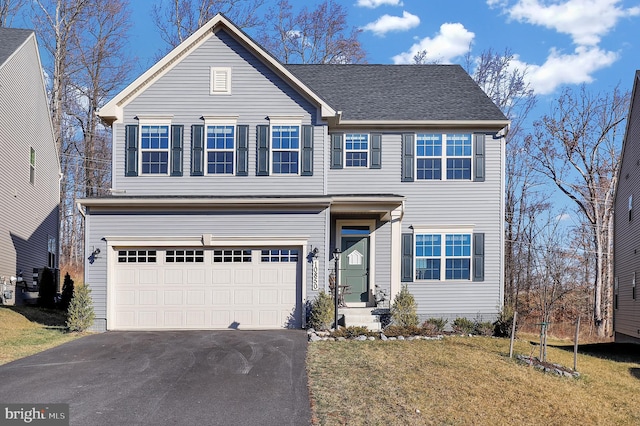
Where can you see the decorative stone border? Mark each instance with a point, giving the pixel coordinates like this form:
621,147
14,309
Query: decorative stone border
323,336
547,367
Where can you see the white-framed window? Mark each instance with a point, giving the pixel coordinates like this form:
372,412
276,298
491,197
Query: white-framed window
285,148
356,150
278,256
452,152
220,147
137,256
155,139
220,80
429,156
32,165
52,249
443,255
232,256
184,256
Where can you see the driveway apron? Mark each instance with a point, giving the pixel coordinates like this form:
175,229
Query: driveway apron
169,378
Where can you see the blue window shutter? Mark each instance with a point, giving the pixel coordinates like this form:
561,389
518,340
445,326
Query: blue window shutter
177,132
131,147
376,151
242,151
406,266
478,257
479,157
408,153
197,150
262,161
336,150
307,151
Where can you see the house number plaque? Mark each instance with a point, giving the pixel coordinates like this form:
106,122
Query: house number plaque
314,274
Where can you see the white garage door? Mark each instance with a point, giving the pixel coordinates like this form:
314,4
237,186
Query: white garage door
192,288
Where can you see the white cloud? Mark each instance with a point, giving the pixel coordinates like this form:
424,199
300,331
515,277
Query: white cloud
586,21
452,41
372,4
559,69
387,23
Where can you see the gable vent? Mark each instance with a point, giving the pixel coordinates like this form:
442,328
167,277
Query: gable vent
220,80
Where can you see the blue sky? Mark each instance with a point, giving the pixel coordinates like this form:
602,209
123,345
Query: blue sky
558,42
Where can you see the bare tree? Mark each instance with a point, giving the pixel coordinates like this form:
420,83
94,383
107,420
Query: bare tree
420,58
8,10
577,146
318,36
508,88
178,19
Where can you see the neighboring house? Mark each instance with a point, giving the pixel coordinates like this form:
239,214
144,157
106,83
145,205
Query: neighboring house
29,164
235,177
626,260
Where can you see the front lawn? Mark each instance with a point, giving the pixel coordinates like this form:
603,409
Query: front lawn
470,381
26,330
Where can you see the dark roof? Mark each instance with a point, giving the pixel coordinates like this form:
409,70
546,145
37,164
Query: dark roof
399,92
10,40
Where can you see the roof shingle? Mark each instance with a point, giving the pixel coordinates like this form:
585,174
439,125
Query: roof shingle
10,40
399,92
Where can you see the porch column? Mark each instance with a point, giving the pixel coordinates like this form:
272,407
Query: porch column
396,253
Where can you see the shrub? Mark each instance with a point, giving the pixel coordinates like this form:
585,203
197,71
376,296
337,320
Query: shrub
47,289
400,330
67,292
463,326
434,326
404,309
483,328
80,314
322,312
352,331
503,325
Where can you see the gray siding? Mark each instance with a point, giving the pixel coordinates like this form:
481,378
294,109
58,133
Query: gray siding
311,224
28,213
442,203
627,232
256,93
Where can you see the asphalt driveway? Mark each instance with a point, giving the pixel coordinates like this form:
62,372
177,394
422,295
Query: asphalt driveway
169,378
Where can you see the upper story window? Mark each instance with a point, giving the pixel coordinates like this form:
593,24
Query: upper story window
220,80
220,147
154,149
285,149
356,150
456,159
430,261
32,165
459,156
429,156
630,207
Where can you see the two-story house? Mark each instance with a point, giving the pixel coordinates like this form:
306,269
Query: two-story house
236,178
29,165
626,260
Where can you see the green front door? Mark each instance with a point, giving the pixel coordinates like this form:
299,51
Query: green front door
354,268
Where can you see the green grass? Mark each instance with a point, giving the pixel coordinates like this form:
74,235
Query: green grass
26,330
469,381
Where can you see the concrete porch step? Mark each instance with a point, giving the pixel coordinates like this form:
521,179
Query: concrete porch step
361,317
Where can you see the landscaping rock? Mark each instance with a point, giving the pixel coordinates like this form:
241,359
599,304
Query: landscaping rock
314,337
361,338
400,337
341,339
383,337
371,338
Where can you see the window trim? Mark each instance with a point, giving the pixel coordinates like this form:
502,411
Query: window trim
444,139
219,122
32,165
347,151
154,122
275,122
212,81
443,232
